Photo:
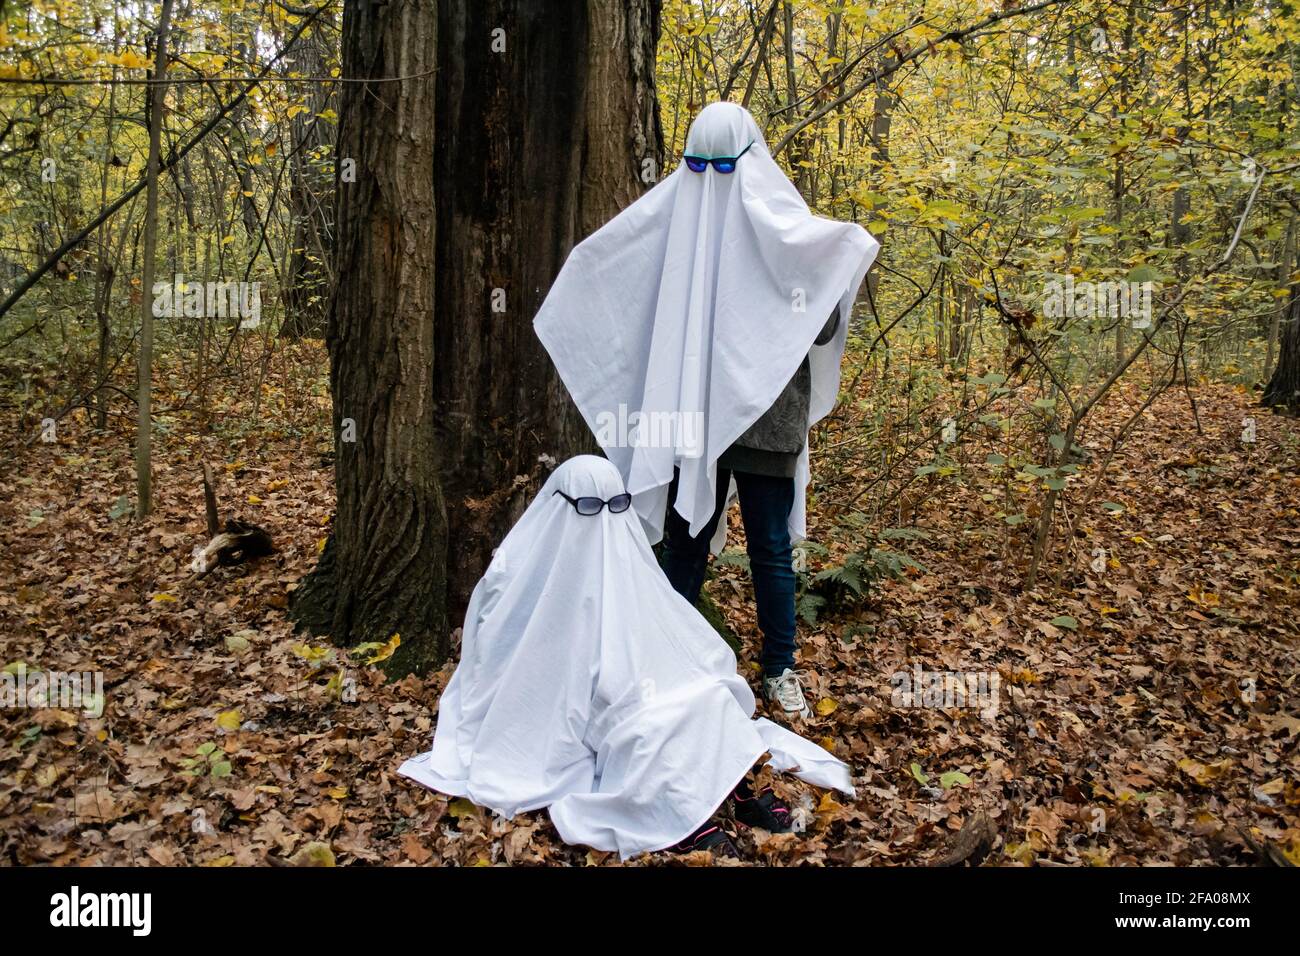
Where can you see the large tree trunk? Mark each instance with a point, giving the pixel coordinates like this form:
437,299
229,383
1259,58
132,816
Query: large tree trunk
384,566
539,145
547,125
1283,390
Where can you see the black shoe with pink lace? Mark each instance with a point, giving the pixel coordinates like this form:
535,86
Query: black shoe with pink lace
709,837
764,810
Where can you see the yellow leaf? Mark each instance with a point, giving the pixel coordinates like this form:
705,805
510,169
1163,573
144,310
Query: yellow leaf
378,652
460,807
338,793
1292,852
254,500
825,706
164,598
309,653
1022,853
1204,774
315,853
238,643
133,61
229,719
828,804
47,775
385,652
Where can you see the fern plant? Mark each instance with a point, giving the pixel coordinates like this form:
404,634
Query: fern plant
848,583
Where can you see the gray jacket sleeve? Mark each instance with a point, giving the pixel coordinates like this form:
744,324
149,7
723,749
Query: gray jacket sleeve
828,330
772,444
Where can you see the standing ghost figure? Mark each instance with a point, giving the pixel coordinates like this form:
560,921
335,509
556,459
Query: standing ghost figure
713,303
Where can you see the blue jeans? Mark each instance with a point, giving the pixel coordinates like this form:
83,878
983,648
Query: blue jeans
765,505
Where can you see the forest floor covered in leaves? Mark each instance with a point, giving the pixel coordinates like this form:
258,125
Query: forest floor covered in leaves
1149,711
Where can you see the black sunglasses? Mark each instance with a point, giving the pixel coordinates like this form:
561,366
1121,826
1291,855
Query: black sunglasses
723,164
591,506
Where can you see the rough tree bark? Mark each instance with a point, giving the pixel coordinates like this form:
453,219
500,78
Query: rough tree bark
384,563
540,143
1283,389
546,125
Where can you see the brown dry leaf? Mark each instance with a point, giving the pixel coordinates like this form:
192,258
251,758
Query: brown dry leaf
414,848
96,805
1043,821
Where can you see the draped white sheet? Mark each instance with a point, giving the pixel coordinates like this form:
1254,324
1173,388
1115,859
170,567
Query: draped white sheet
588,685
700,301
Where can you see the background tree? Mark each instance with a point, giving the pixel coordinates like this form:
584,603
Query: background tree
155,117
1283,389
308,277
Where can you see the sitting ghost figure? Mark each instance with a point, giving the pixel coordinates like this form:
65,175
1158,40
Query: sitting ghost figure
588,686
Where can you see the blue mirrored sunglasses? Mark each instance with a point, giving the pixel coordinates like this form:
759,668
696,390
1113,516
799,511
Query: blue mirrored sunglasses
723,164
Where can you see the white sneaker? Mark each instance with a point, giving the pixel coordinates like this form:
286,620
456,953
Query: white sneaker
787,692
